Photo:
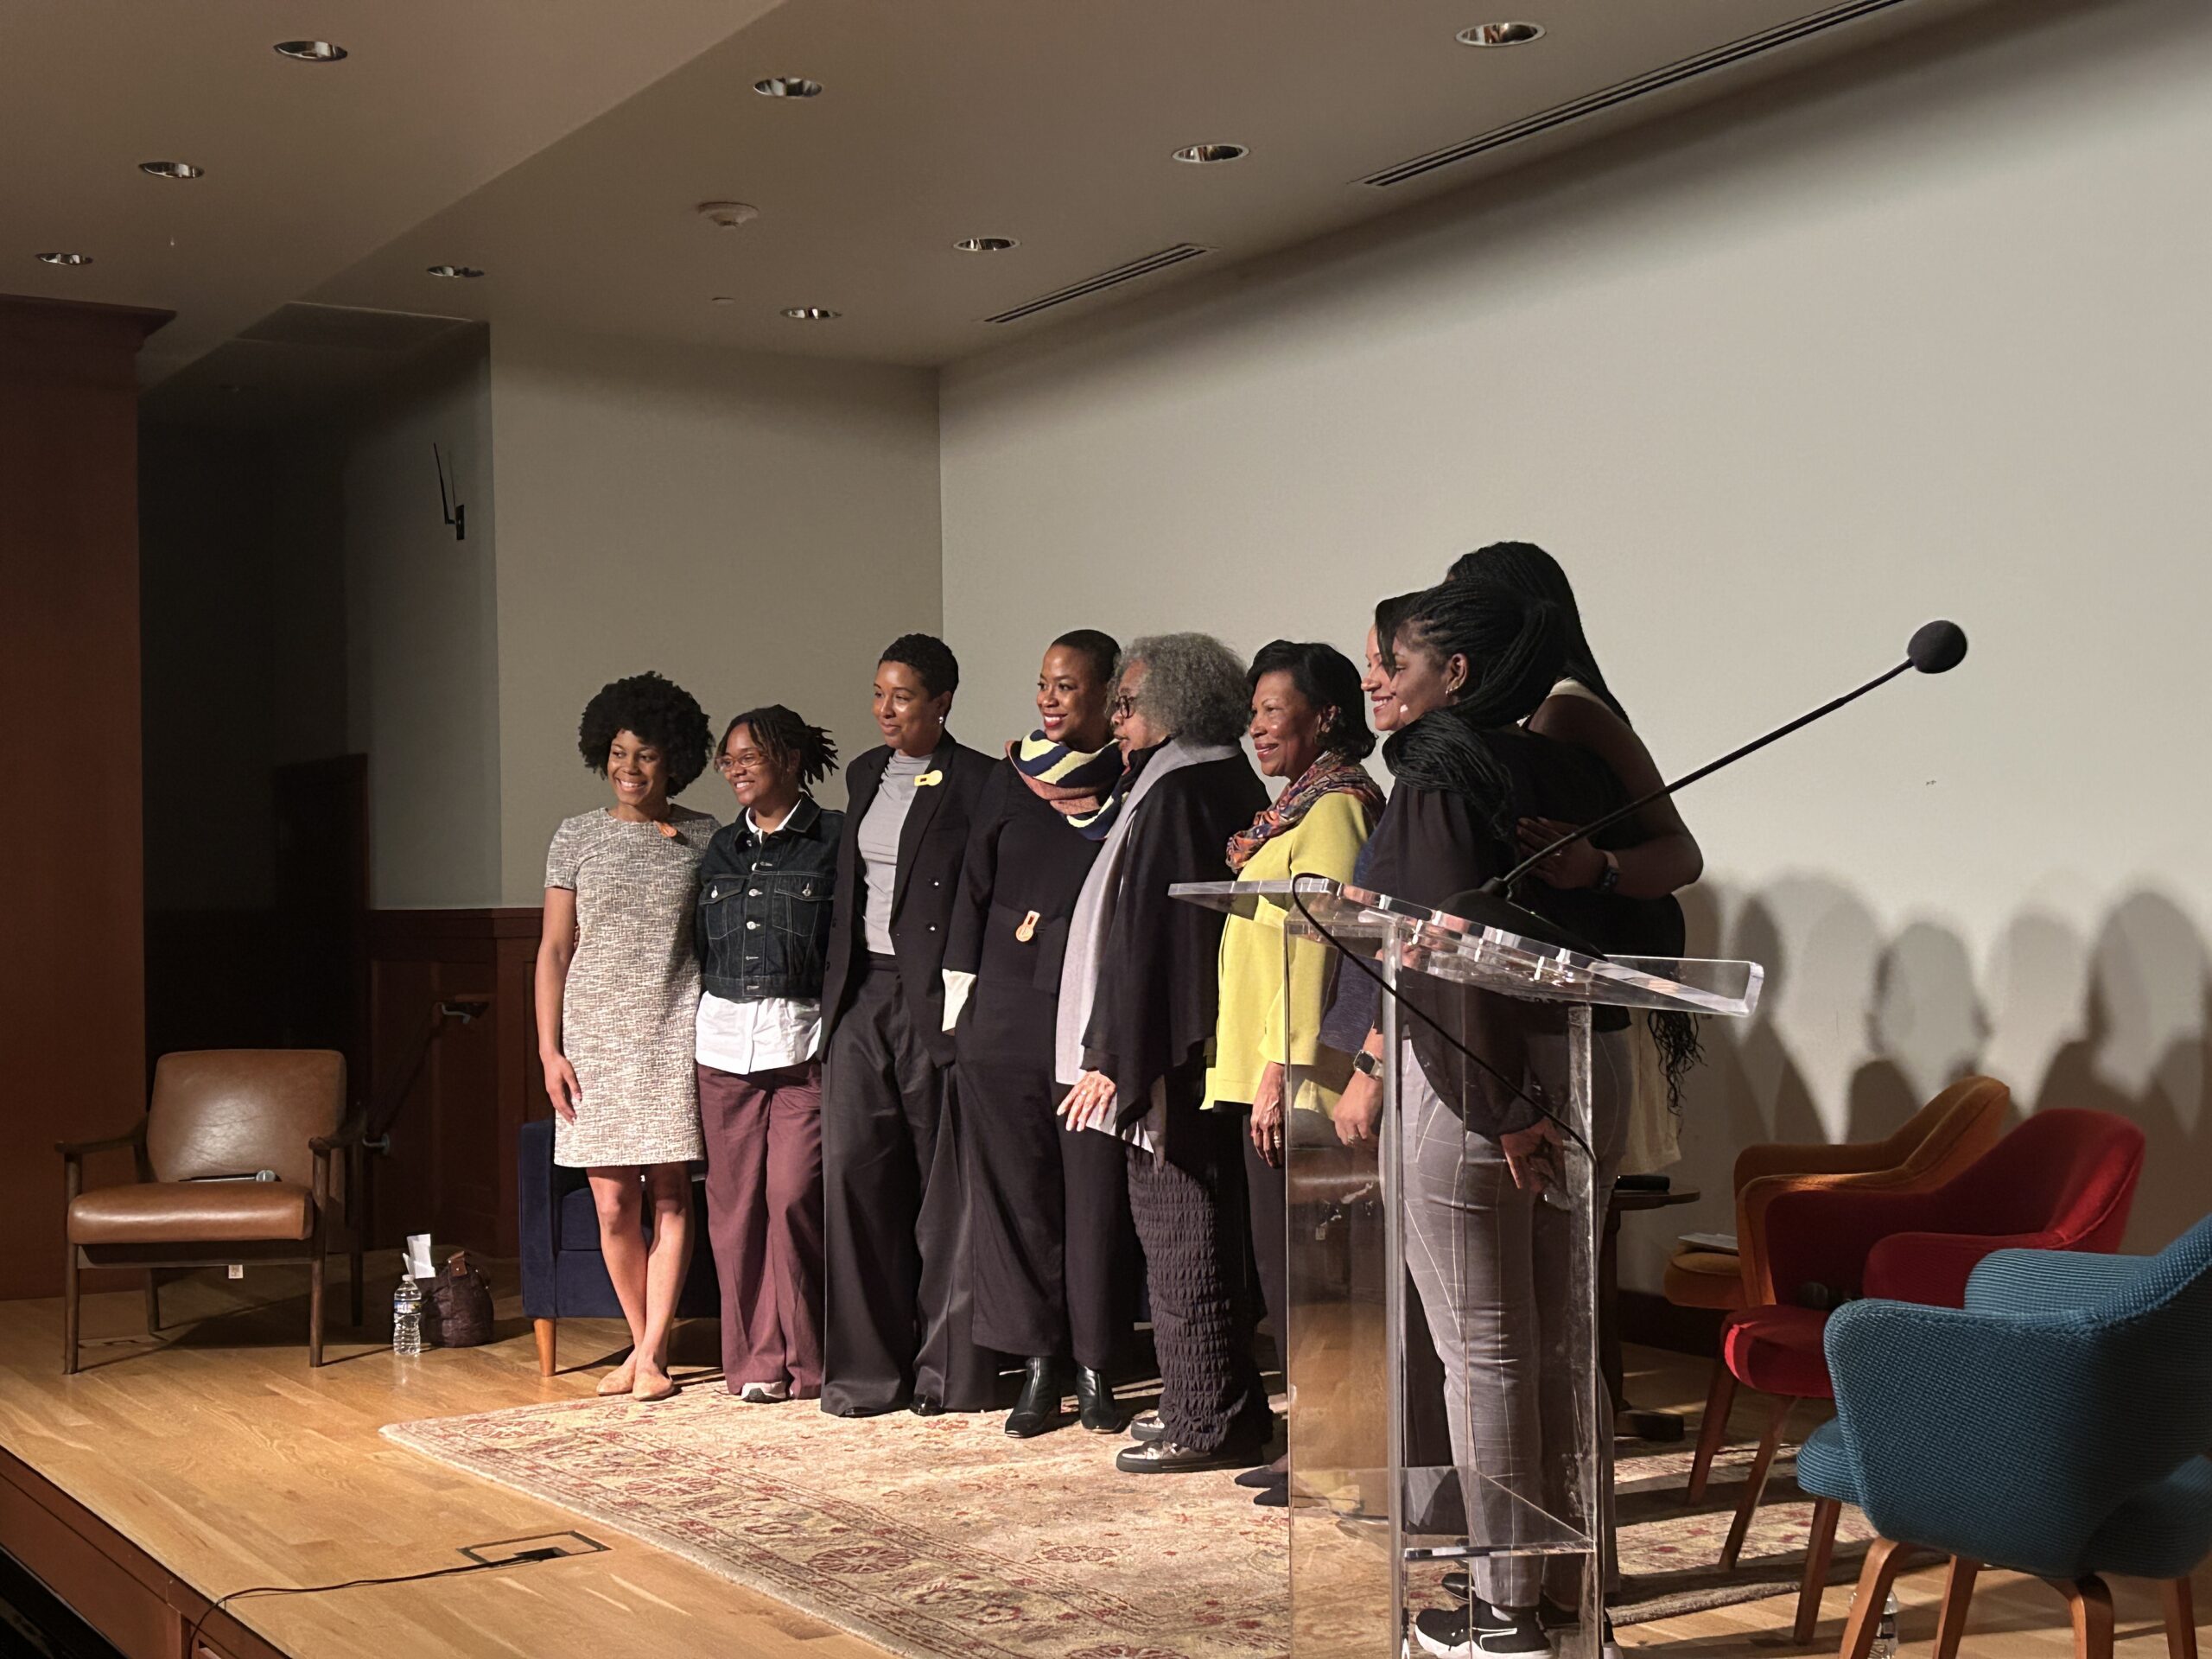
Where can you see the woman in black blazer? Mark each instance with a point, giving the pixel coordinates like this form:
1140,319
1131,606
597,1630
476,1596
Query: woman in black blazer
1050,1240
896,1332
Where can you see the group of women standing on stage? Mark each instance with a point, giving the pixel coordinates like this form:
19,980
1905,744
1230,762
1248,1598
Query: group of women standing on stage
944,1052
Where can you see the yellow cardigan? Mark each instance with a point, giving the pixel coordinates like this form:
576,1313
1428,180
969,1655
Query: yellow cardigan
1250,1030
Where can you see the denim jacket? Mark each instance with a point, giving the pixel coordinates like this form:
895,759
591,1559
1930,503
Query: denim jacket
765,906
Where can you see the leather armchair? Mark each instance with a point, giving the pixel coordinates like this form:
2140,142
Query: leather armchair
217,1116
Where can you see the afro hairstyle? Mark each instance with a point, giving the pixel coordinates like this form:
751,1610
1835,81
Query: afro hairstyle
660,711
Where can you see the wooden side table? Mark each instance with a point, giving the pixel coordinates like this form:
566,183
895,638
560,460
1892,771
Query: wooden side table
1643,1425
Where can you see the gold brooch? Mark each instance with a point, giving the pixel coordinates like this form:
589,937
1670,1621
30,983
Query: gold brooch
1028,931
929,779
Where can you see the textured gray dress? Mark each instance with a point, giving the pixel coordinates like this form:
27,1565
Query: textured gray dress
629,1007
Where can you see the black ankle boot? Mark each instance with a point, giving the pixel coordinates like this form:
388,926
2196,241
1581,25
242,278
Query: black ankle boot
1101,1413
1038,1408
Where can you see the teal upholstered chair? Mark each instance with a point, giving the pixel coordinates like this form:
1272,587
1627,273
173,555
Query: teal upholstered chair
2057,1425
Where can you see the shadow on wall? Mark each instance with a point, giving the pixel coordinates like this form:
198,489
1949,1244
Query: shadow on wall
1858,1029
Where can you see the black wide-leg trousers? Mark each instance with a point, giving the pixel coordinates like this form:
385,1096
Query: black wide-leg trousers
901,1308
1049,1239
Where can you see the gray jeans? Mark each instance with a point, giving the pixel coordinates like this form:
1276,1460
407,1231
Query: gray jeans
1492,1264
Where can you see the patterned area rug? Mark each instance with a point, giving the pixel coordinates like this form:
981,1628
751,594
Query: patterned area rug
940,1537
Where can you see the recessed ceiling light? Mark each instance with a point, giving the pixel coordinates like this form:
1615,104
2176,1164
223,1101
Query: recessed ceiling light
986,244
723,299
60,258
810,313
311,51
463,271
728,215
1500,34
788,86
171,169
1204,154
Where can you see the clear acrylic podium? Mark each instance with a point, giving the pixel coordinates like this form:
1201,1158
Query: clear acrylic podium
1447,1414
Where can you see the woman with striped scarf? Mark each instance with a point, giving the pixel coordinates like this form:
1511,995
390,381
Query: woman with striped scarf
1051,1245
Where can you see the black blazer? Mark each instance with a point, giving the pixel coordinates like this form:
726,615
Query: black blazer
932,845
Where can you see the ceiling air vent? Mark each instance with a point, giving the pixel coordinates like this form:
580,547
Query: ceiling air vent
1673,74
1104,280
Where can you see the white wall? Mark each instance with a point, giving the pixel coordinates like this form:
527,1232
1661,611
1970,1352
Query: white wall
756,528
422,633
1925,337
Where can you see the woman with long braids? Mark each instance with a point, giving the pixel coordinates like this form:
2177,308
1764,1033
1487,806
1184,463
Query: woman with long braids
1489,1259
617,993
1655,860
1048,1211
765,892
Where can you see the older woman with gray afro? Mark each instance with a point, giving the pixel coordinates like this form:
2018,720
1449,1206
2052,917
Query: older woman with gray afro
1139,993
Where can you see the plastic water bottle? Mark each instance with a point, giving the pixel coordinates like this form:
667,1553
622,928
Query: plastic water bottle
1885,1633
407,1320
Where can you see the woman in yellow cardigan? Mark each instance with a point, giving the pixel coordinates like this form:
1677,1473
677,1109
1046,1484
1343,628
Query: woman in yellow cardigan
1307,727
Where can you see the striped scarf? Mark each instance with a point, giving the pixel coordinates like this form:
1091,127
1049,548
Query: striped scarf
1330,772
1085,787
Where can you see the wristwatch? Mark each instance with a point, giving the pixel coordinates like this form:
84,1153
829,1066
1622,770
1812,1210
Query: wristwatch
1367,1065
1611,878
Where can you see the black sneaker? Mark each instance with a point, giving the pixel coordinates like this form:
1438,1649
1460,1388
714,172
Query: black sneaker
1479,1628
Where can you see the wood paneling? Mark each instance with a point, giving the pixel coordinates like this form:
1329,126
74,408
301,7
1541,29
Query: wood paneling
73,976
451,1167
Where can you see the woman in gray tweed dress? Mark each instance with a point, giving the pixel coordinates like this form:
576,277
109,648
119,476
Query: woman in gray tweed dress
618,994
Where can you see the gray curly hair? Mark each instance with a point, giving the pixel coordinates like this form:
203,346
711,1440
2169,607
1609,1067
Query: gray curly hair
1193,686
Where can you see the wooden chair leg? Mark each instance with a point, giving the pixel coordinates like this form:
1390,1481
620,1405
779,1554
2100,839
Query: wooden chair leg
2091,1605
2181,1619
1819,1555
549,1344
1754,1485
69,1310
1875,1579
153,1301
314,1300
1958,1593
1712,1432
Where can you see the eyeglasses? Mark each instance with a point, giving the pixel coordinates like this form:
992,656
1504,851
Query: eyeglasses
728,764
1122,707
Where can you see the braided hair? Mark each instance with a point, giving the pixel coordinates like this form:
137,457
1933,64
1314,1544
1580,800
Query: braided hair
808,750
1528,568
1513,646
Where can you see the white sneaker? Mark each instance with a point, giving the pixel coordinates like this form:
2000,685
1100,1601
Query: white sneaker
764,1393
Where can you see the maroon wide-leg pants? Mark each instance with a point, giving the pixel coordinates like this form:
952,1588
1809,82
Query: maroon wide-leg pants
764,1213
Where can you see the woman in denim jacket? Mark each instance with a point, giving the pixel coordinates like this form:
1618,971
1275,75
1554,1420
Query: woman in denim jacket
765,888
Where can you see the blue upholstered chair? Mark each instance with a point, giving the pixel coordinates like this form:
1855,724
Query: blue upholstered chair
2057,1425
563,1274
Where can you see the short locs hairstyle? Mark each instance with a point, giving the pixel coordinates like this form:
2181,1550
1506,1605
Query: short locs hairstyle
929,657
1326,679
661,713
808,750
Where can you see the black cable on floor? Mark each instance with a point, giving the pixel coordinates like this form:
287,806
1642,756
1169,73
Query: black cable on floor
192,1634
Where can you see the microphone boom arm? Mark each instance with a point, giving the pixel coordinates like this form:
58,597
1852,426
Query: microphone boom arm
1504,884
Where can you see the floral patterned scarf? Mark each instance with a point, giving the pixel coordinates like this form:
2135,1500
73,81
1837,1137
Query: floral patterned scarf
1330,772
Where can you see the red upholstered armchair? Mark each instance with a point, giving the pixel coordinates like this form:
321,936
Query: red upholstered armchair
2063,1180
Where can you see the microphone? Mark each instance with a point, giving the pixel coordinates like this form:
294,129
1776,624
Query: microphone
1935,648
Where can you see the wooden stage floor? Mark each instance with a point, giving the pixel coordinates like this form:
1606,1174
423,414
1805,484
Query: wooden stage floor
218,1455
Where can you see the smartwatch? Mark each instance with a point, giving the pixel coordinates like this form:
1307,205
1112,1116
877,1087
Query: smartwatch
1367,1065
1612,876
